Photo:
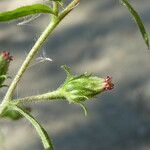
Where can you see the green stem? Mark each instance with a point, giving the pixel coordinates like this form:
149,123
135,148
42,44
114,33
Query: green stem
43,97
26,63
33,52
40,130
69,8
55,8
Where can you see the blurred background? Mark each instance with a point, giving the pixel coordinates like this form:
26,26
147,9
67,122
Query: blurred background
99,37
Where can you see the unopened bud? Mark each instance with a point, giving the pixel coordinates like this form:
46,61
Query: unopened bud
80,88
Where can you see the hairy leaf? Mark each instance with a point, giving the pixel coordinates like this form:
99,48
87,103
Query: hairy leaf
40,130
138,21
13,114
25,11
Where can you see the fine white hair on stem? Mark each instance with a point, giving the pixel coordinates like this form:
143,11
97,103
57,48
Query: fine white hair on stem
31,17
41,59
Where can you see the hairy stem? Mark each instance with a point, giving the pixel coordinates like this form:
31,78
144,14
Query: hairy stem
43,97
55,8
69,8
47,143
28,59
34,51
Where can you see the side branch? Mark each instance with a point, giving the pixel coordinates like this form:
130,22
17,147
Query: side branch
34,51
37,98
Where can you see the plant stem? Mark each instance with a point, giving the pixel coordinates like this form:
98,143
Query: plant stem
47,143
25,64
33,52
55,8
43,97
69,8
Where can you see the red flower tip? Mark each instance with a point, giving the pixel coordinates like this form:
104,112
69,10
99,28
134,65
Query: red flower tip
108,85
7,56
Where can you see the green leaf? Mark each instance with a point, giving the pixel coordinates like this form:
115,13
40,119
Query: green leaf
14,115
138,21
40,130
25,11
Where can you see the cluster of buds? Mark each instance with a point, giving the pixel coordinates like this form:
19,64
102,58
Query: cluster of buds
77,89
5,60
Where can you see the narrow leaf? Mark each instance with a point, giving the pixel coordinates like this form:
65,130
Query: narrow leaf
14,115
25,11
40,130
138,21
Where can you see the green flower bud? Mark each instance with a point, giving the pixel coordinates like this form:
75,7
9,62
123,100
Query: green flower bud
83,87
5,59
77,89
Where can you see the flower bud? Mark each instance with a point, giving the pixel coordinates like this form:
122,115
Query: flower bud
5,59
77,89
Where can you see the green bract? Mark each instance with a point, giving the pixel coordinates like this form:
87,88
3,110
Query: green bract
77,89
80,88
